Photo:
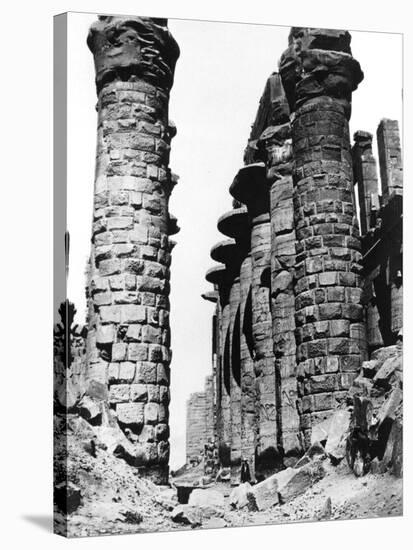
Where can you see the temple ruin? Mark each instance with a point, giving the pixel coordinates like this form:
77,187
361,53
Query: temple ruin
308,279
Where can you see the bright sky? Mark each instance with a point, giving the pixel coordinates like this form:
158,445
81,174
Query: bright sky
219,79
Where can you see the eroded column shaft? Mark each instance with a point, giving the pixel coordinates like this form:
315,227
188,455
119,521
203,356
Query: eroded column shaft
263,346
129,286
329,316
234,300
248,385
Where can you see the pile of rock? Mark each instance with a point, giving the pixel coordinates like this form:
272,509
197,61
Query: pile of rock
375,441
283,486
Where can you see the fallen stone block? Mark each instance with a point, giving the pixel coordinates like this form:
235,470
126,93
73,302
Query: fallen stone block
390,406
238,498
206,497
393,456
382,354
337,435
315,452
90,409
194,515
369,368
265,493
299,480
319,432
326,511
390,373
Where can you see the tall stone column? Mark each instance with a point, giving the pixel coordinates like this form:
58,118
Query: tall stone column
319,75
365,176
391,172
276,146
235,224
390,158
228,252
219,277
129,345
251,188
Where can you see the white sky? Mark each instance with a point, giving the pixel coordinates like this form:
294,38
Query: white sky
219,79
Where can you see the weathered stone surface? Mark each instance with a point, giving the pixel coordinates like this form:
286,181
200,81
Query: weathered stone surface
266,492
238,498
296,482
337,435
390,373
194,515
206,497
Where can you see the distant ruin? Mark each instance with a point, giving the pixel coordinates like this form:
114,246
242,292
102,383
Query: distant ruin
303,296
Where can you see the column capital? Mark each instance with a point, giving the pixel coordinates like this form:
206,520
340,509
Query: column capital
235,223
227,252
318,62
251,187
132,48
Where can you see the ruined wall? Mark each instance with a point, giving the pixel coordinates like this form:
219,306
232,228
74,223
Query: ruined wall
129,336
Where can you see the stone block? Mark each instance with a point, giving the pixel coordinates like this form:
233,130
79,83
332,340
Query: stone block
153,393
337,434
105,334
121,222
295,482
130,413
151,413
162,432
109,267
133,333
131,313
119,393
265,493
113,373
117,282
110,314
138,392
146,372
126,371
137,352
119,352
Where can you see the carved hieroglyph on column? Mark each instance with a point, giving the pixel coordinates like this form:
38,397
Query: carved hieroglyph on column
276,149
129,343
251,187
319,75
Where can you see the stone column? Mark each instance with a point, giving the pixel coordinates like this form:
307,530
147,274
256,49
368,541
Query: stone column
365,176
251,188
218,276
228,253
129,329
277,151
319,75
235,224
196,433
391,173
390,158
